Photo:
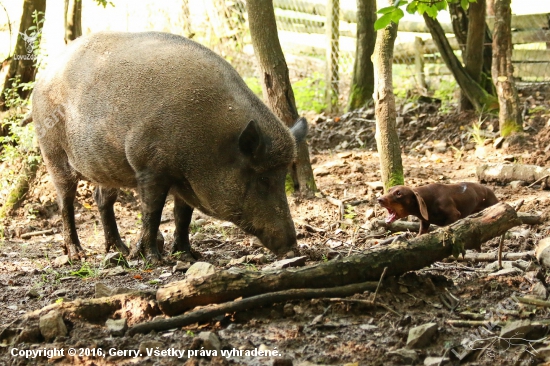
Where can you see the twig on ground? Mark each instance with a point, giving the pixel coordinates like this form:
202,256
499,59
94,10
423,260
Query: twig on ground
340,204
37,233
538,180
379,282
208,312
536,302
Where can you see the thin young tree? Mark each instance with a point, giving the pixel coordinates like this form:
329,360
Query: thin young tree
73,20
362,84
276,86
503,72
469,27
387,140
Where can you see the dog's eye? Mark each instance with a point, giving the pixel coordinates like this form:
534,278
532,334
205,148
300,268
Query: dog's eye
398,193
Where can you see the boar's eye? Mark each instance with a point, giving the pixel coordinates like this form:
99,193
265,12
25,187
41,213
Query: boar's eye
264,181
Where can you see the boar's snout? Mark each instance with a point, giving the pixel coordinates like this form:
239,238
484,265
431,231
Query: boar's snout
280,242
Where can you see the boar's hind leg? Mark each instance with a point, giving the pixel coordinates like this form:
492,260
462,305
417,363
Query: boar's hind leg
182,216
153,197
106,198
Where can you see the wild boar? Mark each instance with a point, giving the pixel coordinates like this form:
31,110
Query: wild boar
163,114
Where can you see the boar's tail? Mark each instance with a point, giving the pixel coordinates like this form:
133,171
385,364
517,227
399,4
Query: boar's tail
25,121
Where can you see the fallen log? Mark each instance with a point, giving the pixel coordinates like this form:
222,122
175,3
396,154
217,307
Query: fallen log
506,173
414,226
135,307
400,257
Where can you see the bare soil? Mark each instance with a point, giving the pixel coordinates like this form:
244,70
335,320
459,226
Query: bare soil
436,148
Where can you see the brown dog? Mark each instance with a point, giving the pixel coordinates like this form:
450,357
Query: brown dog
439,204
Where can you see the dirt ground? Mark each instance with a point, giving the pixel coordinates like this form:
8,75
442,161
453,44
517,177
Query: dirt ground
435,148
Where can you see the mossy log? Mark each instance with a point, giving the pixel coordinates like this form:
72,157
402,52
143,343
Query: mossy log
400,257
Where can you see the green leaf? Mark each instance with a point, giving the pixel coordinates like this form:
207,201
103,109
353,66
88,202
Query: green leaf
383,21
441,5
432,11
422,7
465,4
397,15
411,8
386,10
402,2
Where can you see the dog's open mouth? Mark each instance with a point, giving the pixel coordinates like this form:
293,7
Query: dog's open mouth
392,216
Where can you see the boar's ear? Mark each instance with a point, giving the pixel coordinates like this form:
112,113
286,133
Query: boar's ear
299,130
251,140
422,205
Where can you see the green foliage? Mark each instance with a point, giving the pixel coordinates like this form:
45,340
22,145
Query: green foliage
254,85
445,92
389,14
251,267
309,93
476,133
394,13
289,184
16,147
104,3
85,271
350,212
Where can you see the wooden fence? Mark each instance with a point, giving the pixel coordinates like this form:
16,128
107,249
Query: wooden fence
530,36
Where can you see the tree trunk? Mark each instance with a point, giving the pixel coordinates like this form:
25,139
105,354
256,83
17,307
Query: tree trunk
480,99
503,72
399,257
459,21
276,86
491,7
362,84
387,140
22,65
473,57
73,20
332,30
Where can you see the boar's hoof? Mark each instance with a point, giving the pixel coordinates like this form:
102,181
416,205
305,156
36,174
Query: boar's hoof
185,256
75,252
145,253
119,245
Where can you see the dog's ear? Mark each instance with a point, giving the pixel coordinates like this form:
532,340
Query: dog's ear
422,206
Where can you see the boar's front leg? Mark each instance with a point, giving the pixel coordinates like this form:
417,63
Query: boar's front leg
182,216
153,196
65,182
105,199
